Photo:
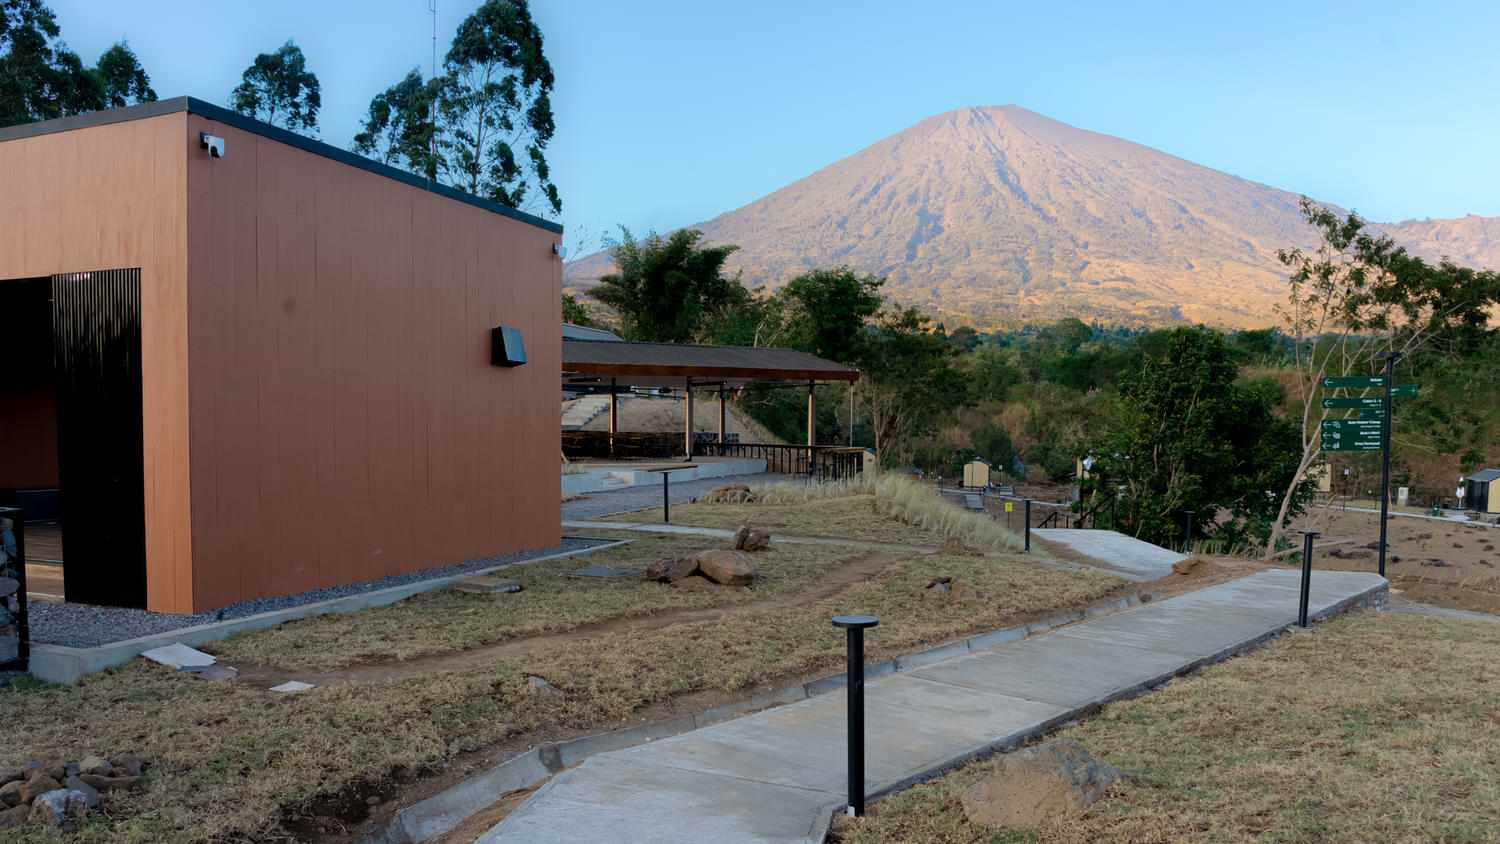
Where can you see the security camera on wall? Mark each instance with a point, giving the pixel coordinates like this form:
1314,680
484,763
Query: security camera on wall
213,143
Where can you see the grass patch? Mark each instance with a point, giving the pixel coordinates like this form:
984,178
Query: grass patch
1377,727
229,759
875,507
444,620
746,649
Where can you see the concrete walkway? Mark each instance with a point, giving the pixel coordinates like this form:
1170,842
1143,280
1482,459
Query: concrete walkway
1135,560
776,776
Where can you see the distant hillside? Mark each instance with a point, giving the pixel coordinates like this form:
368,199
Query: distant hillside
999,215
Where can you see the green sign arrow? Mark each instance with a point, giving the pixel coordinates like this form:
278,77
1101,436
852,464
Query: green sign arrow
1351,425
1352,401
1351,445
1405,391
1353,382
1376,413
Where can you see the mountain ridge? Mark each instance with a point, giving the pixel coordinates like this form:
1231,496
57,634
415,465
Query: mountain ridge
996,215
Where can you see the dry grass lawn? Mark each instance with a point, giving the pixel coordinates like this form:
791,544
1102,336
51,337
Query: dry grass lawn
851,517
231,762
446,620
873,507
1377,727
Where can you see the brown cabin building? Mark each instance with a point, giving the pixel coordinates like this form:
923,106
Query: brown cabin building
268,370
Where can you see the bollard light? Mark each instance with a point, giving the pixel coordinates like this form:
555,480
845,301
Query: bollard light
1307,542
856,625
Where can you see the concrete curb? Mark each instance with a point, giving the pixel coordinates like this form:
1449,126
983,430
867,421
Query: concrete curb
1374,597
62,664
443,811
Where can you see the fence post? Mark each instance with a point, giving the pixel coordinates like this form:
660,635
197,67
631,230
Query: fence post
1307,549
666,499
1027,511
1187,547
856,625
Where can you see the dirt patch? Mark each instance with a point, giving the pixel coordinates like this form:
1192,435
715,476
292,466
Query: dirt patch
836,580
480,822
1449,564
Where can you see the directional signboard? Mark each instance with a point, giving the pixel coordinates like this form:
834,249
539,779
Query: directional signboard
1352,434
1354,382
1353,401
1404,391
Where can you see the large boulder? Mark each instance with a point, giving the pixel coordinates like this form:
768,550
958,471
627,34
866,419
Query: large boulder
14,816
38,785
749,539
671,569
731,568
1041,784
59,807
10,793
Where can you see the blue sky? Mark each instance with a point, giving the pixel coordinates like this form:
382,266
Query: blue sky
671,112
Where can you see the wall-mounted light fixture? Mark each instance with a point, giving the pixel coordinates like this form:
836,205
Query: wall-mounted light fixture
213,143
507,347
560,251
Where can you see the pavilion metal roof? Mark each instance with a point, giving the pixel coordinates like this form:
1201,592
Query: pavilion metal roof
1484,475
672,364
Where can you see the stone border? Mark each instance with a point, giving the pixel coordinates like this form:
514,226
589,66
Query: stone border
67,665
443,811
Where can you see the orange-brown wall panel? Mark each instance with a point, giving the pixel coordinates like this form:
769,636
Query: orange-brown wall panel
345,419
115,197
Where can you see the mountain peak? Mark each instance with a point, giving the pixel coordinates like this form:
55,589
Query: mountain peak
994,215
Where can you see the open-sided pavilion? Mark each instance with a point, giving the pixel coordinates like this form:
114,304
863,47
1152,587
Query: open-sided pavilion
609,365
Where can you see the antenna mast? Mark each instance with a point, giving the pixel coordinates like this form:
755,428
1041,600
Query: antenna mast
432,106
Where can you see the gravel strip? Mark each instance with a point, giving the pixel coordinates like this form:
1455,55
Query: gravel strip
641,496
88,626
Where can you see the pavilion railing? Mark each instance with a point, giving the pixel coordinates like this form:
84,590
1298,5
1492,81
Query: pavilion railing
817,462
602,445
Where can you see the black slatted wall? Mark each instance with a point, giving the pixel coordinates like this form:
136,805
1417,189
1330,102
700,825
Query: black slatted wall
96,324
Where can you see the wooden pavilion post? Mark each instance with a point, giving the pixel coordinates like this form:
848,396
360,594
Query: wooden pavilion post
721,414
687,418
614,417
812,426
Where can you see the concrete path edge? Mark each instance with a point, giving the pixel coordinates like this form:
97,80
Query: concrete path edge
1374,597
443,811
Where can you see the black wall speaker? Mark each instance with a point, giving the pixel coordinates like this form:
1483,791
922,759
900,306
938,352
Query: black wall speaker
507,348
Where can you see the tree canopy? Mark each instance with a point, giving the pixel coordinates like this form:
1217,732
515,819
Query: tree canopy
829,309
279,89
483,126
40,78
1189,437
665,289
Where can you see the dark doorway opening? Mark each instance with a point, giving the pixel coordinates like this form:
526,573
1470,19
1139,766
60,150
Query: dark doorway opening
70,432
